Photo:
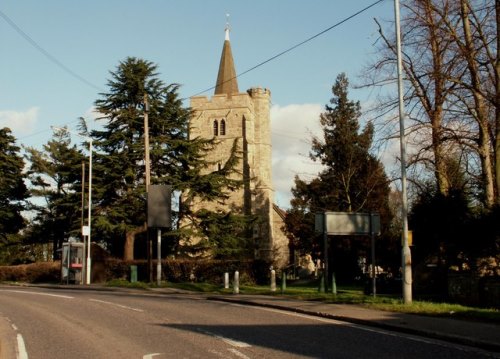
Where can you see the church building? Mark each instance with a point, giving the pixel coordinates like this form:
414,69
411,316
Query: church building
229,116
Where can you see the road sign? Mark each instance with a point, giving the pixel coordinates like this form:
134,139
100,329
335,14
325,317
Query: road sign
346,223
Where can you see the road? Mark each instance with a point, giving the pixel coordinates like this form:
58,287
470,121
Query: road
48,323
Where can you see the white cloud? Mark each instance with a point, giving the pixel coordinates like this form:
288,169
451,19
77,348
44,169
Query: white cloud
21,123
292,128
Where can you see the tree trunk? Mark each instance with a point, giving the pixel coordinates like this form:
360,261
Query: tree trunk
484,140
128,250
435,112
497,102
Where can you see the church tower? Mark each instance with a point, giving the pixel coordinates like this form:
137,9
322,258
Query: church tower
243,117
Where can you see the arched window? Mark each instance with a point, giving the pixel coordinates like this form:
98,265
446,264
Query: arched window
216,128
222,127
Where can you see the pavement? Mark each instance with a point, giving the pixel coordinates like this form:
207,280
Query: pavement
464,332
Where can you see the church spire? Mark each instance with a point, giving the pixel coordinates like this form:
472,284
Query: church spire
226,78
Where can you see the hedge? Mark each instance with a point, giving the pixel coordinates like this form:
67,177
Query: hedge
173,270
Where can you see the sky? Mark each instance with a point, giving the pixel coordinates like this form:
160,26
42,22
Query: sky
57,55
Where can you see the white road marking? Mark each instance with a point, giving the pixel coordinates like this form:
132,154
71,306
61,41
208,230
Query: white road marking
238,353
38,293
234,343
117,305
13,326
21,348
149,356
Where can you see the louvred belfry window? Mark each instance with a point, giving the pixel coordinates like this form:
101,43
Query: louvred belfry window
216,128
222,127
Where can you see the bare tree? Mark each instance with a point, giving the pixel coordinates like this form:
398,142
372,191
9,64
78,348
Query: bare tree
452,72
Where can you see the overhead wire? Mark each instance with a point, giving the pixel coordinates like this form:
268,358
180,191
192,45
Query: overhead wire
82,79
52,58
292,47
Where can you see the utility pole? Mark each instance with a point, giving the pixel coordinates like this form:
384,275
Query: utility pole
149,245
84,238
406,253
146,141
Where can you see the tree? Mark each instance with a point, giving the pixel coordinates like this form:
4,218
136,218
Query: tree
225,235
13,191
352,180
176,159
56,177
452,83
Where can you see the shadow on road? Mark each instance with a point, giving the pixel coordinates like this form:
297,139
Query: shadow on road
325,340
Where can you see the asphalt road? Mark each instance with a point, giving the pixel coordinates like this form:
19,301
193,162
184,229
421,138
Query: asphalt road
44,323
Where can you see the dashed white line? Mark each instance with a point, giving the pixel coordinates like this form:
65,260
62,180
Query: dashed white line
38,293
21,348
117,305
234,343
149,356
238,353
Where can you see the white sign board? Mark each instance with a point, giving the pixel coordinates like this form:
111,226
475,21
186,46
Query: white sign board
345,223
85,230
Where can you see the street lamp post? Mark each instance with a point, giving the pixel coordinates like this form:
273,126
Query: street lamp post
406,253
86,231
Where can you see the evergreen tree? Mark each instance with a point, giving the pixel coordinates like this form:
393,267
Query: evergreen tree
55,175
12,188
175,158
352,180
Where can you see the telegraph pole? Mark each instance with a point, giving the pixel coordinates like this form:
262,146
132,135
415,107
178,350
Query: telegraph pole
406,254
149,246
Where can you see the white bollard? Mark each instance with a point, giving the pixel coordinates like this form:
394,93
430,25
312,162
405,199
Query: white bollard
226,280
273,280
236,283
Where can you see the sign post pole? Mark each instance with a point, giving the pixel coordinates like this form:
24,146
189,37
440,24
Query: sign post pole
374,279
325,246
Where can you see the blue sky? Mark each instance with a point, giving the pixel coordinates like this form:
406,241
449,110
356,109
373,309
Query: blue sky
184,38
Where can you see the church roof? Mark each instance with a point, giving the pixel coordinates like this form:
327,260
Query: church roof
226,79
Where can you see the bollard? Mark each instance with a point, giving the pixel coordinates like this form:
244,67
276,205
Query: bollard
226,280
273,280
236,283
283,282
334,285
321,288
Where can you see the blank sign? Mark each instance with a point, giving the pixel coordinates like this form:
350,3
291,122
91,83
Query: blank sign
159,206
345,223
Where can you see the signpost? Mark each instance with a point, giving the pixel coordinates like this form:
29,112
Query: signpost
159,216
344,224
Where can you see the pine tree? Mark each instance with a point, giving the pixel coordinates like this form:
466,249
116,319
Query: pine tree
352,180
351,172
12,188
175,158
55,175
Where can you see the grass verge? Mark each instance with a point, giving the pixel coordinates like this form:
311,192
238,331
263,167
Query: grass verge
345,295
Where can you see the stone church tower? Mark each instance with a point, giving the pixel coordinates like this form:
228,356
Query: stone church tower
244,117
